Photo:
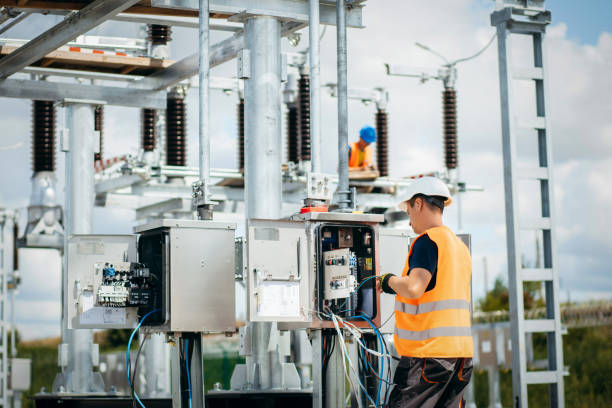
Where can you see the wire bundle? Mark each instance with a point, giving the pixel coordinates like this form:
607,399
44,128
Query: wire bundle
127,357
380,399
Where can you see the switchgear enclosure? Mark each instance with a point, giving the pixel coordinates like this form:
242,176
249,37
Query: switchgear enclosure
191,262
83,253
198,267
283,267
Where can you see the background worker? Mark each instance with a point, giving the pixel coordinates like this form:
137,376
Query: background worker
432,306
360,153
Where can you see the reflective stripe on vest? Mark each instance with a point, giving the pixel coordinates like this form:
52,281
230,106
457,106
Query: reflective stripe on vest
432,306
438,324
451,331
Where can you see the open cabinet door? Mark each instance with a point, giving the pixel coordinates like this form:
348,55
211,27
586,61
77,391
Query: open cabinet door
87,256
278,270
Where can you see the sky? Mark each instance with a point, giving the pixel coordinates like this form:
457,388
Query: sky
579,44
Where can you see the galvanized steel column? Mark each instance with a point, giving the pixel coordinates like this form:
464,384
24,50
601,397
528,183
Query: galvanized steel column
79,205
203,95
263,165
343,176
315,86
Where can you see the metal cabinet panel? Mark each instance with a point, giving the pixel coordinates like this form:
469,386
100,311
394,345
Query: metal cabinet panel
85,254
393,250
202,288
279,270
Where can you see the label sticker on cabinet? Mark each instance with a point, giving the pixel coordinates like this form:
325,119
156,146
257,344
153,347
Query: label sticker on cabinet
104,315
278,299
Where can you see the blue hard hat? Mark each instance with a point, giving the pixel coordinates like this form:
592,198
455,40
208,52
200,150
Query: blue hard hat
368,134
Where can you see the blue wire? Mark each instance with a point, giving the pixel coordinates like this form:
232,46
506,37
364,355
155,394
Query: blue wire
364,281
380,342
187,364
127,352
381,339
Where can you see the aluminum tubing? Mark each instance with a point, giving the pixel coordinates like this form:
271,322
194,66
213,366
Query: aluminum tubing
262,165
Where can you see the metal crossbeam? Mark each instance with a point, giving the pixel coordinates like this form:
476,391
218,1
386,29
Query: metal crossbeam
188,66
58,91
74,25
296,10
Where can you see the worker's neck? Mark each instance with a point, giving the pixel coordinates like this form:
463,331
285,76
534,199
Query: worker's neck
433,221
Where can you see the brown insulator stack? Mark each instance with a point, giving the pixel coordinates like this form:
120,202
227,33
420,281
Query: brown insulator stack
149,129
241,134
293,134
304,106
159,34
449,106
98,126
382,142
43,136
176,132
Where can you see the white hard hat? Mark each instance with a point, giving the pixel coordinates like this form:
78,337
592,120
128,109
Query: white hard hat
429,186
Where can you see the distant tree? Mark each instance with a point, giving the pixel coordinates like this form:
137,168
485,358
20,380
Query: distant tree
17,336
114,338
498,298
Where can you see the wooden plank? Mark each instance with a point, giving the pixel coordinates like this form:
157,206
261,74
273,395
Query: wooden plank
93,62
363,174
127,69
144,7
47,62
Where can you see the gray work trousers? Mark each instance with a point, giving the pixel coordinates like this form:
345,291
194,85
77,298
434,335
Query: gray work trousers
430,382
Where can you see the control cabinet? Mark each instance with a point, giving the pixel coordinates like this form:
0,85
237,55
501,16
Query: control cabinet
182,269
302,269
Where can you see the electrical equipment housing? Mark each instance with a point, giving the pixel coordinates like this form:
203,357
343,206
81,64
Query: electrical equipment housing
183,268
302,268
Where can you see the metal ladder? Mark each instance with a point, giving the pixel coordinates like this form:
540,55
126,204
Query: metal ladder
529,18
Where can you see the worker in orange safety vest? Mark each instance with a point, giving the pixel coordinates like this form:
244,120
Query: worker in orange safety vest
360,153
432,306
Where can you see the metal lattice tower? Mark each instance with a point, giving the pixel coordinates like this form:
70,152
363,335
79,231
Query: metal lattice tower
529,18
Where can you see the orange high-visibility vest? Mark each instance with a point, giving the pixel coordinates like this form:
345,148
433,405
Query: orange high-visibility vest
366,156
438,324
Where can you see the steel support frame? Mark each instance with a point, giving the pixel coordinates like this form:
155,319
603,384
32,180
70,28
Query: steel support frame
296,10
59,91
262,161
521,377
78,375
343,194
74,25
188,67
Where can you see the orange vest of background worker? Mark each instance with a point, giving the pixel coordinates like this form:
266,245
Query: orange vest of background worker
432,306
360,153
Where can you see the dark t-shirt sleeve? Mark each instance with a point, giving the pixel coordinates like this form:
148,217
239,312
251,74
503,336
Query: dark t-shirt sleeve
425,255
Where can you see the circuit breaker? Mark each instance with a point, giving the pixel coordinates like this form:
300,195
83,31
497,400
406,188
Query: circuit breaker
181,269
303,269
